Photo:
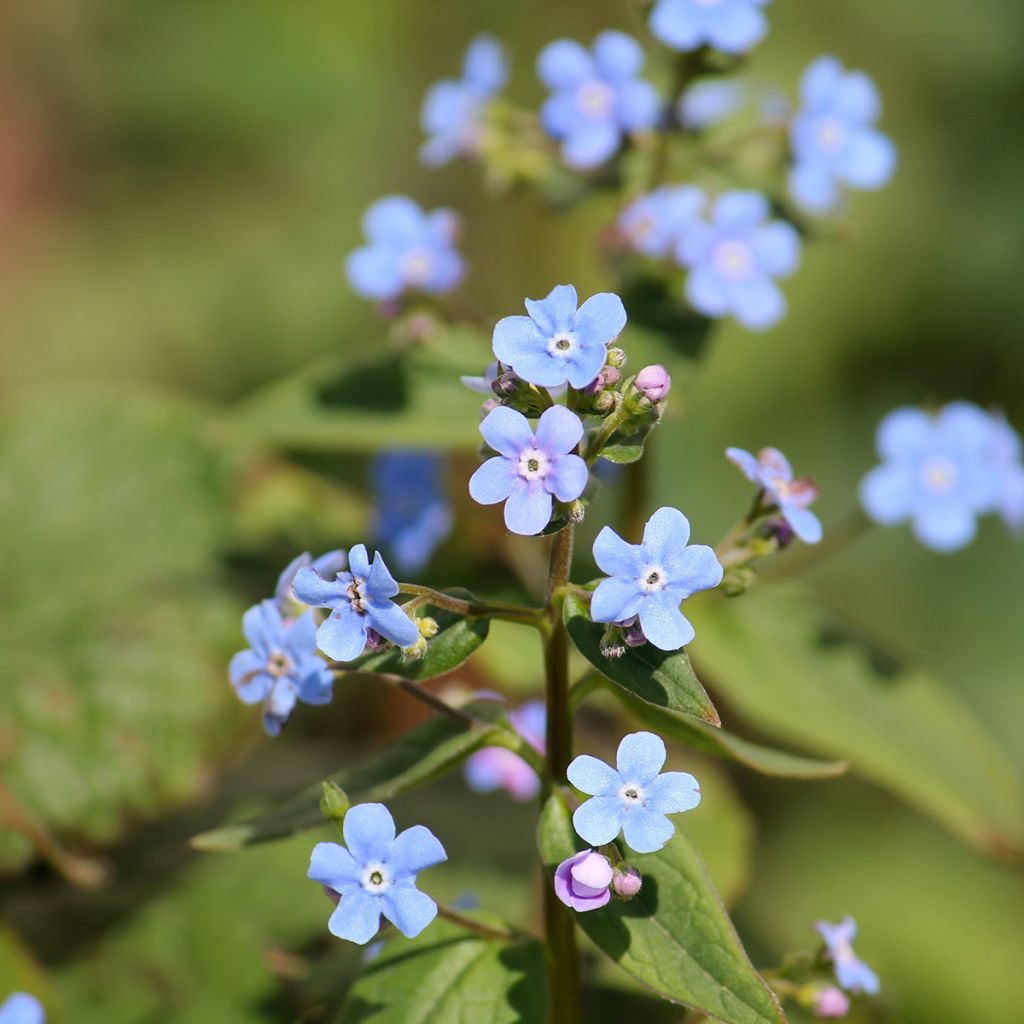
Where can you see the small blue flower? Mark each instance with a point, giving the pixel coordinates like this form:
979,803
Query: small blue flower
852,973
360,600
482,384
328,565
558,343
22,1008
596,98
709,101
652,579
281,665
412,514
734,258
499,768
834,138
377,874
732,26
408,250
654,223
453,108
1005,451
936,471
632,797
771,471
529,468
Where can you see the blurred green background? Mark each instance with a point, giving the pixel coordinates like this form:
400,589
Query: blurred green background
179,184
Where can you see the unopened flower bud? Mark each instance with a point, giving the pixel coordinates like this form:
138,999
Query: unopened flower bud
507,384
616,357
416,651
605,402
780,531
375,641
428,626
334,801
737,580
582,881
634,637
626,882
488,407
654,383
576,512
831,1002
608,376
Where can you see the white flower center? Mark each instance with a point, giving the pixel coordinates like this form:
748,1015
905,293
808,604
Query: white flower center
939,474
562,345
652,579
533,464
376,878
279,664
631,794
830,133
733,259
779,487
418,265
357,594
595,99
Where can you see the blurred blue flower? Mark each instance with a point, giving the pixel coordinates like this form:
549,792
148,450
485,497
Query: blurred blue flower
360,601
412,516
558,343
453,108
281,666
732,26
377,874
22,1008
596,98
530,468
408,250
709,101
734,258
936,471
1005,452
834,138
852,973
632,797
499,768
654,223
328,565
482,384
652,579
771,471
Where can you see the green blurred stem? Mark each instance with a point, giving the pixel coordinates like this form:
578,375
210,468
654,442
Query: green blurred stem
477,927
851,529
475,609
420,693
732,539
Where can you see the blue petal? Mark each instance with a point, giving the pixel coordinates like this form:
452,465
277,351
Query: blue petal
560,115
388,619
312,589
543,369
598,820
555,312
614,556
330,563
618,56
665,534
485,67
444,107
663,623
638,106
515,337
408,909
777,248
749,466
672,793
868,160
558,430
369,832
300,637
261,626
493,481
22,1008
615,599
249,677
342,635
356,918
507,431
528,509
564,64
592,776
707,292
600,319
641,755
592,145
380,583
709,101
567,478
905,433
944,525
281,700
283,588
676,24
646,831
415,849
693,569
964,427
332,865
813,186
315,682
359,561
821,81
856,98
447,270
855,976
758,303
736,27
805,523
740,209
585,364
394,220
887,493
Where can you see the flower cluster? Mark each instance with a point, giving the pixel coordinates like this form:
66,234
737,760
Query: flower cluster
790,496
851,972
732,26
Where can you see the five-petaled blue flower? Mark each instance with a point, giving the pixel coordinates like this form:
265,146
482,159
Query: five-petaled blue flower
408,250
654,223
453,108
360,601
328,565
652,579
529,467
22,1008
412,516
377,874
281,665
632,797
936,471
852,973
732,26
558,343
1005,452
771,471
834,138
733,258
596,98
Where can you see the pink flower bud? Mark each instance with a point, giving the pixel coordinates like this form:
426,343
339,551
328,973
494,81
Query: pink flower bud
830,1002
653,382
582,882
626,882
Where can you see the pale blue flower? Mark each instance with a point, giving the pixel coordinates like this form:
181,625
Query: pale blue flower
852,973
377,874
499,768
596,98
834,138
482,384
771,471
632,797
654,223
22,1008
732,26
652,579
709,101
531,468
328,565
360,601
1005,452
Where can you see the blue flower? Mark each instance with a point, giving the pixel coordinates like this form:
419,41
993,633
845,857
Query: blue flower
22,1008
654,223
732,26
596,98
652,579
1005,451
377,874
733,259
709,101
499,768
360,600
771,471
936,471
328,565
482,384
558,343
632,797
834,138
852,973
281,665
452,109
530,468
412,514
408,250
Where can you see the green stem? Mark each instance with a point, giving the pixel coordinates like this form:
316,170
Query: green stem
611,423
476,609
420,693
851,529
478,927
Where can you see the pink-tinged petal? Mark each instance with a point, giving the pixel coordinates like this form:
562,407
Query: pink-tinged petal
746,462
776,464
805,523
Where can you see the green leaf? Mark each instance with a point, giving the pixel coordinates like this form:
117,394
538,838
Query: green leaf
801,673
658,677
675,936
451,976
627,443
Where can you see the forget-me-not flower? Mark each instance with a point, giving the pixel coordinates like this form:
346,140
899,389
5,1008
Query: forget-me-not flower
936,471
558,343
771,471
453,108
632,797
377,874
408,250
596,98
281,666
709,101
1005,451
652,579
654,223
834,138
360,600
22,1008
734,257
732,26
328,565
530,467
499,768
852,973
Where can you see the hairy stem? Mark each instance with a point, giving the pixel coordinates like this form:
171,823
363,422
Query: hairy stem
476,609
611,423
477,927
